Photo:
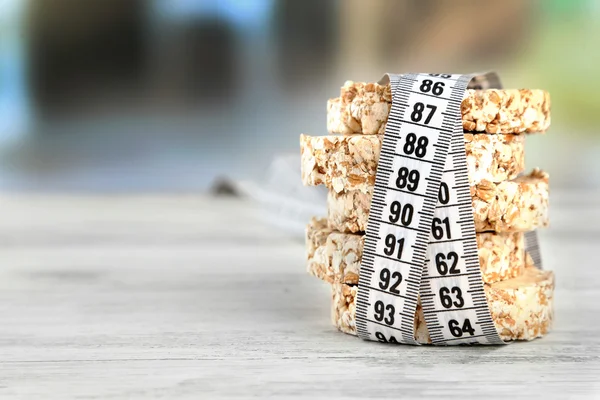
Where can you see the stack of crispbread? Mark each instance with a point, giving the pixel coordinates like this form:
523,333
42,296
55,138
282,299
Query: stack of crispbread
506,202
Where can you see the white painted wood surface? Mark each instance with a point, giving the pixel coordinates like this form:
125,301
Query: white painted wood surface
192,297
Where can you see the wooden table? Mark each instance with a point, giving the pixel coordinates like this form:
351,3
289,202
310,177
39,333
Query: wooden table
192,296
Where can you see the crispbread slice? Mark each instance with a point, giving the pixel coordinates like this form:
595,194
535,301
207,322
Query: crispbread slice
335,257
521,308
345,163
363,108
519,205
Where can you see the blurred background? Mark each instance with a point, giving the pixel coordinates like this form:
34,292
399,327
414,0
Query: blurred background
190,95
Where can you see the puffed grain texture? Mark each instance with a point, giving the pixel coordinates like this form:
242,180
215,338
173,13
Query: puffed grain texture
519,205
335,257
345,163
363,108
521,308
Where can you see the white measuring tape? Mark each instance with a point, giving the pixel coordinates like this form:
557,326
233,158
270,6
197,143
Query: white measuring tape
420,241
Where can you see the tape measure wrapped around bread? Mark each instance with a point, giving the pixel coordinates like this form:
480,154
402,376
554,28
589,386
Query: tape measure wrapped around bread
430,235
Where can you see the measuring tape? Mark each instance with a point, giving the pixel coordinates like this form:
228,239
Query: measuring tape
420,241
532,248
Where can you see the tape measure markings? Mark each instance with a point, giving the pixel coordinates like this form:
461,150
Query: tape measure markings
532,247
400,251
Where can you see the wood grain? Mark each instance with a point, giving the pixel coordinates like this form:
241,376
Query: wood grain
192,297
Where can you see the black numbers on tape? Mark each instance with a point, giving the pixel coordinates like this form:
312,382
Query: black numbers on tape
447,300
386,277
446,263
408,179
438,87
457,331
417,113
381,337
402,214
441,75
444,194
390,246
438,231
381,315
417,146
